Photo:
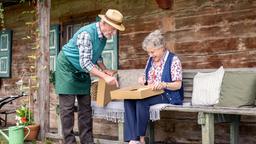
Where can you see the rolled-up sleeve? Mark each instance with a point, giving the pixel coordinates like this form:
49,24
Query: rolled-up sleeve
84,45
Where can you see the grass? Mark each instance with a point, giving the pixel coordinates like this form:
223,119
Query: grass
3,140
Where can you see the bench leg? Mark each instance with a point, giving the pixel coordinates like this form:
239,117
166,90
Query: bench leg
206,120
234,130
151,136
121,132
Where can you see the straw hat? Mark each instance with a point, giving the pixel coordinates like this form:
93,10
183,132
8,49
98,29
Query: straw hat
114,18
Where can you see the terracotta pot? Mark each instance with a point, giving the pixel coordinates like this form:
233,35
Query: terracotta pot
34,129
164,4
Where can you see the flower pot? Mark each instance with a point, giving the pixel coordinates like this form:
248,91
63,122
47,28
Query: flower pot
34,129
164,4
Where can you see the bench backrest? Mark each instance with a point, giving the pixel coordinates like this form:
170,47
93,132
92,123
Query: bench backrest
130,77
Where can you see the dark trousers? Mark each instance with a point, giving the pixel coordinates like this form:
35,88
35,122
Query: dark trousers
67,107
137,115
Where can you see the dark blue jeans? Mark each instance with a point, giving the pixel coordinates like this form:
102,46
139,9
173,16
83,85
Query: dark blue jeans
137,115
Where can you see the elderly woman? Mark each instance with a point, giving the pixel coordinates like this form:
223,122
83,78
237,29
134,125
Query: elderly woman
163,71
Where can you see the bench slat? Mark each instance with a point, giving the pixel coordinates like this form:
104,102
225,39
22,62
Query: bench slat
220,110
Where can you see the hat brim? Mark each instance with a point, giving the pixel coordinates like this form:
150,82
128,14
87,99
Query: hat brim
119,27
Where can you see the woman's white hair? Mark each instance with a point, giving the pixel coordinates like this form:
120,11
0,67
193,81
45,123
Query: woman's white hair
154,40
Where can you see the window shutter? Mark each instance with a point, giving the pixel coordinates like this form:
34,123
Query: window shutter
5,53
54,45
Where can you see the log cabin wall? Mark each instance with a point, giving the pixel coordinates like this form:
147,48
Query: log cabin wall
15,20
15,17
203,33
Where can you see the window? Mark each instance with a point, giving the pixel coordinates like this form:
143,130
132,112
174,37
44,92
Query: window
54,45
110,53
5,53
71,29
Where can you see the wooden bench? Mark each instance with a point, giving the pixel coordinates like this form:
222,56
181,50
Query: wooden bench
207,115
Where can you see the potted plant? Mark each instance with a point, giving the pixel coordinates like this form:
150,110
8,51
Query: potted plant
24,116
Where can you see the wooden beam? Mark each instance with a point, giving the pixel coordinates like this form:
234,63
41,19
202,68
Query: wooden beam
43,7
4,1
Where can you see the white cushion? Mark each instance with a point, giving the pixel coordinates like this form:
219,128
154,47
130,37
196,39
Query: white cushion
206,87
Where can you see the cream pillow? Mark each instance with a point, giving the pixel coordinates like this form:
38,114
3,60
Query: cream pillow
206,87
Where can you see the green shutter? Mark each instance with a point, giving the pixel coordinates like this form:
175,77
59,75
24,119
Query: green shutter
54,45
5,53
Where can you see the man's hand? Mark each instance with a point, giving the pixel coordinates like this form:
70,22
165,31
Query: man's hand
111,80
110,72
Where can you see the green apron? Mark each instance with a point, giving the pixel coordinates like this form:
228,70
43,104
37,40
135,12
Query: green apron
69,80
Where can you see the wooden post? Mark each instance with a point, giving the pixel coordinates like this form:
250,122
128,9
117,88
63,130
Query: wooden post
43,95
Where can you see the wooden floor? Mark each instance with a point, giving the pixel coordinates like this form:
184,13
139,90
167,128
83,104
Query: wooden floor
101,141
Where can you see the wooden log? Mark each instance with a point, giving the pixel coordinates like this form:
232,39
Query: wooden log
43,8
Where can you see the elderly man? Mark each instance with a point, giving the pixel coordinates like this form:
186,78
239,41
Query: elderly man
75,63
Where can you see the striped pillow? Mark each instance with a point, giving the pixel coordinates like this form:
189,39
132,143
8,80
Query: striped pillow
206,87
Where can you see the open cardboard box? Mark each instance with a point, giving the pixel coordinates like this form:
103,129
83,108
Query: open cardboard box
134,92
103,93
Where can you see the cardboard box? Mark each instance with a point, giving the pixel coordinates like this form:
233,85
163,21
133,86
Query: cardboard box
103,93
135,92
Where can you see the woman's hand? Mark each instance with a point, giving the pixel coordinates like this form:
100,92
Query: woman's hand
158,86
111,80
166,85
110,72
141,80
